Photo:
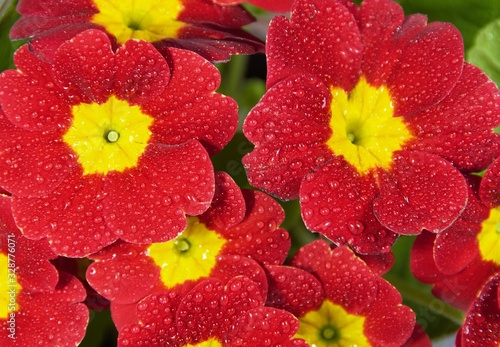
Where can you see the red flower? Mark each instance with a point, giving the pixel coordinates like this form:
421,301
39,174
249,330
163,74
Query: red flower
367,117
281,6
34,297
239,229
210,30
459,260
99,145
482,323
339,300
211,314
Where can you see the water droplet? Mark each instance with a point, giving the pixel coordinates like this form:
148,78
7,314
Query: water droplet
355,227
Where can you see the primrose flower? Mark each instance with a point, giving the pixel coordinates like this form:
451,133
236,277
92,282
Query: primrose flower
202,26
280,6
213,313
231,238
482,322
338,300
457,276
100,145
34,297
368,118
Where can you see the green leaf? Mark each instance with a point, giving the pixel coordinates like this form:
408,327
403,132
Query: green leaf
8,16
468,16
485,53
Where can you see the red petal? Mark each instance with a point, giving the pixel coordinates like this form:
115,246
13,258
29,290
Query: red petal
422,191
148,204
461,289
189,108
482,323
229,266
294,290
213,308
39,321
378,263
32,163
340,272
125,275
418,339
459,128
151,322
422,262
380,20
71,216
321,38
489,190
30,26
280,6
258,235
228,205
55,8
85,67
429,67
336,202
288,128
35,272
457,245
29,97
141,72
203,11
388,323
264,326
46,44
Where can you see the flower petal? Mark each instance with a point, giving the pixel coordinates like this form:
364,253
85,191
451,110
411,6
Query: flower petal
336,202
321,37
142,72
258,235
74,223
288,135
468,141
456,246
38,105
335,269
379,22
489,190
482,323
422,191
32,163
428,68
228,205
294,290
125,275
265,326
148,204
189,108
39,321
214,308
85,67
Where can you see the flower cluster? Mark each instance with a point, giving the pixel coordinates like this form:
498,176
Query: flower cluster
110,124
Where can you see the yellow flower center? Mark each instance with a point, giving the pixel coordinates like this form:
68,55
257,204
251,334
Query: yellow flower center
364,129
108,137
489,237
9,287
332,326
209,343
148,20
190,256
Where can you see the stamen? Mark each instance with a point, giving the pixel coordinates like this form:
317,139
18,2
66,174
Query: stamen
182,245
112,136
